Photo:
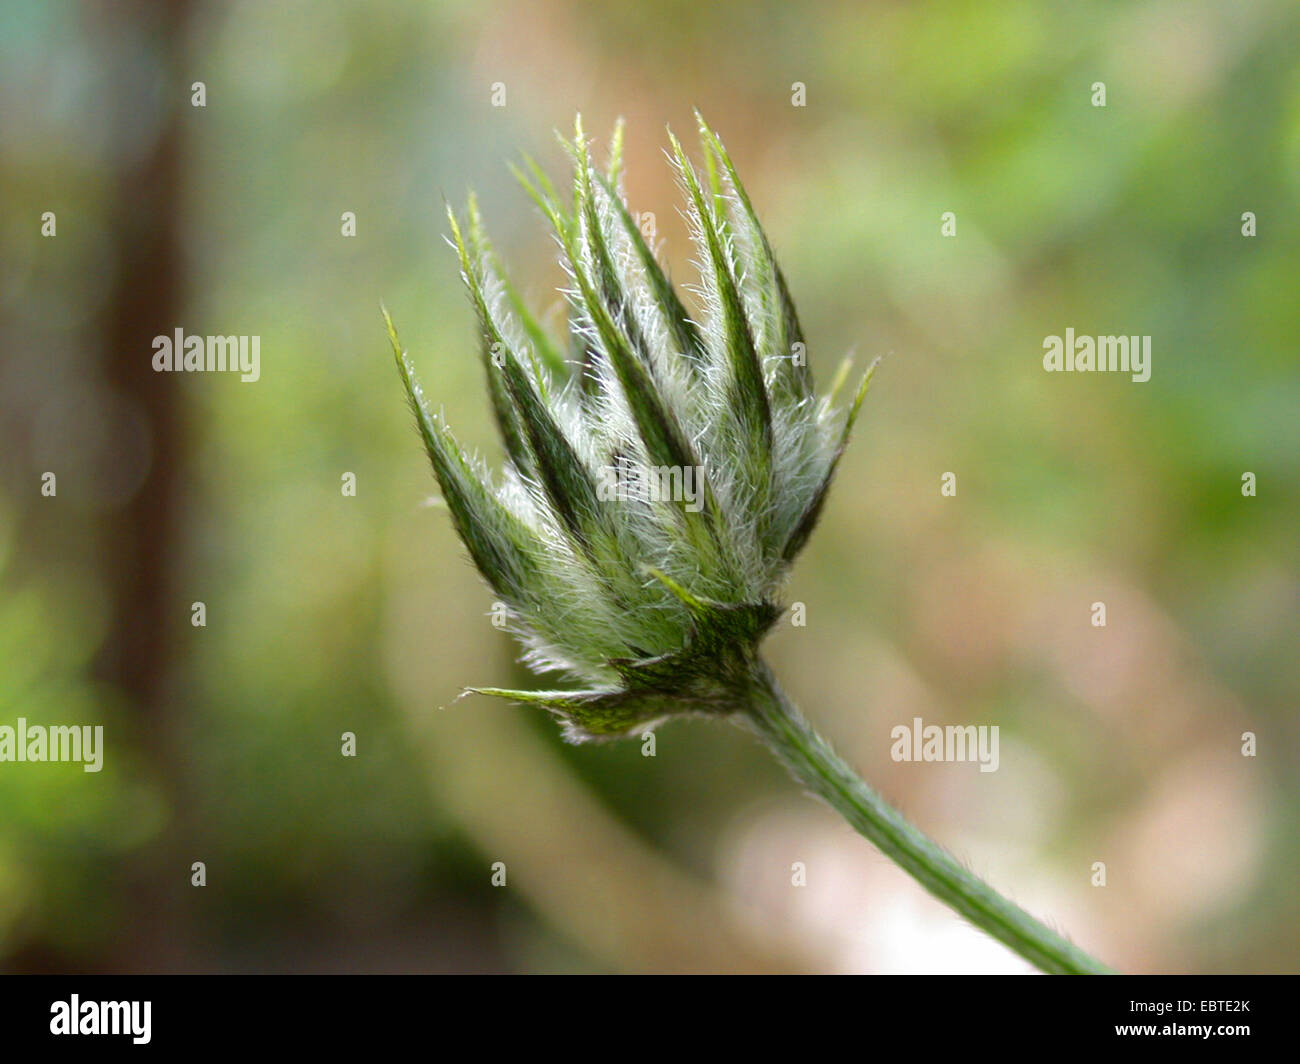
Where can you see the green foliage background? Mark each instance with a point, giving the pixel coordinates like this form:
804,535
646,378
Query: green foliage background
329,614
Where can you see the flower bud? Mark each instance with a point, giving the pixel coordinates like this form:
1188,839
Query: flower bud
662,469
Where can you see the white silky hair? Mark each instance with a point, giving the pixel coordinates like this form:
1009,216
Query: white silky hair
593,601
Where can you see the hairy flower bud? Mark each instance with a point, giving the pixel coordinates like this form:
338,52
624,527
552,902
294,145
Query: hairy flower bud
661,472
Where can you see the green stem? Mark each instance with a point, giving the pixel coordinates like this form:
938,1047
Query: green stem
811,760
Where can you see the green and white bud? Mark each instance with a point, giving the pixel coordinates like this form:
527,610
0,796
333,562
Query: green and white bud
662,468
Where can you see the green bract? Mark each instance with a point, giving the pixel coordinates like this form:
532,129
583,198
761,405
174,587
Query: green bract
662,468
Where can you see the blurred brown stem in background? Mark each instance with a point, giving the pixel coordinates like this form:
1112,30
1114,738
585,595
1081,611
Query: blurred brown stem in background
143,536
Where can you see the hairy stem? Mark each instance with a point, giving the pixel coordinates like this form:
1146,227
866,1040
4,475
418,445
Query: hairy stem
813,763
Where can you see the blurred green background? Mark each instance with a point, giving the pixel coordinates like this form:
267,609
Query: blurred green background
329,614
